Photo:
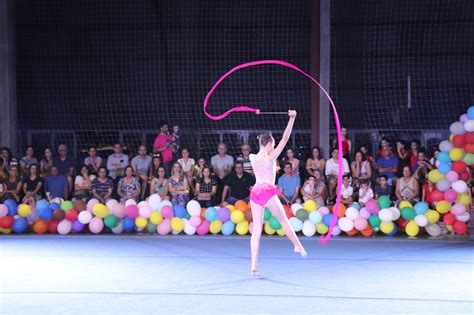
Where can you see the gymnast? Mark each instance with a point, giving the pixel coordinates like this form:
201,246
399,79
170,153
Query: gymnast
265,193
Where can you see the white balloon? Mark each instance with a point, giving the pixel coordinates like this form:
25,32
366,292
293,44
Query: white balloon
189,229
154,201
460,186
295,207
395,213
445,146
443,185
433,229
386,215
84,217
464,217
324,210
345,224
144,210
194,208
130,202
309,229
469,125
142,203
118,229
164,203
336,231
457,128
421,220
110,204
296,224
352,213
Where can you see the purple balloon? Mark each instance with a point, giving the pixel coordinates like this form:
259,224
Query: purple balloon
77,226
224,214
464,118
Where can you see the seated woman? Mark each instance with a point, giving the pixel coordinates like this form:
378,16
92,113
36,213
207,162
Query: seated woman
32,186
102,186
12,185
159,184
365,192
129,186
347,191
155,165
83,184
314,189
178,186
187,164
361,169
315,162
295,163
407,187
46,162
206,189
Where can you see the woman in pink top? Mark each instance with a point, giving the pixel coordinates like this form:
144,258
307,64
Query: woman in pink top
265,193
164,145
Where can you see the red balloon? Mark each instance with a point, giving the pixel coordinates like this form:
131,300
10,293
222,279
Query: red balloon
469,147
437,195
458,141
465,176
288,211
402,222
449,218
460,227
6,222
459,167
469,137
53,227
71,215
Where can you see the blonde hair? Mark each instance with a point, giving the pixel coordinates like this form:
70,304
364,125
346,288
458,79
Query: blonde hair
181,173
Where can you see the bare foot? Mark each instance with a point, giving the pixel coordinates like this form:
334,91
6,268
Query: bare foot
254,271
301,250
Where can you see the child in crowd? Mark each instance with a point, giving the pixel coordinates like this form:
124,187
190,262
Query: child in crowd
383,188
365,192
176,138
428,188
347,190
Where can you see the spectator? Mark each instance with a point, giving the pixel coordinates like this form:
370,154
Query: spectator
93,161
434,159
12,185
176,138
28,159
222,163
384,144
7,158
315,161
237,185
46,162
422,167
382,188
66,164
155,165
388,165
332,170
32,185
83,184
361,168
314,188
428,188
407,187
141,167
117,162
102,186
415,147
178,186
206,189
198,168
368,157
295,163
56,185
187,165
244,158
403,157
159,184
289,184
164,145
365,192
128,186
347,191
346,144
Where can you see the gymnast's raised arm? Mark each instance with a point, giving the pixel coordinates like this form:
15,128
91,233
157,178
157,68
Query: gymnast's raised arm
286,136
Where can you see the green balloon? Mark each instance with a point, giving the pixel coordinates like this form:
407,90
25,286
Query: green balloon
384,202
374,220
468,159
151,228
66,205
187,215
274,223
302,214
267,215
408,213
110,221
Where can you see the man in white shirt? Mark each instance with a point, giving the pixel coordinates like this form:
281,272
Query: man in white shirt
141,166
222,165
117,162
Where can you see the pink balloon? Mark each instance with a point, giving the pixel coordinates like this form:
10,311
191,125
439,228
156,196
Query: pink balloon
203,229
336,231
452,176
96,225
145,211
324,210
119,211
132,211
3,210
463,118
372,206
91,203
164,227
458,209
360,224
167,212
450,195
195,220
64,227
364,213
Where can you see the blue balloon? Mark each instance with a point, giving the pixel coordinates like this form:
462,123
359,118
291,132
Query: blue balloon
421,207
228,228
46,214
443,157
55,205
470,112
394,230
41,205
356,205
19,225
210,214
444,168
327,219
128,224
12,206
179,211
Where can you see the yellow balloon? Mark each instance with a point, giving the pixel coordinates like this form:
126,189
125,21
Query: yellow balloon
432,216
230,207
435,176
24,210
456,154
321,228
387,227
177,224
281,232
412,229
6,231
268,229
443,206
242,228
140,222
156,217
237,216
449,227
215,227
464,199
451,137
310,205
101,211
404,204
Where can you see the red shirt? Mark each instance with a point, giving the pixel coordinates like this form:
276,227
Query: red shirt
161,141
426,189
345,146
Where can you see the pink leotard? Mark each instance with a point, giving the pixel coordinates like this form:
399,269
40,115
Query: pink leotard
264,188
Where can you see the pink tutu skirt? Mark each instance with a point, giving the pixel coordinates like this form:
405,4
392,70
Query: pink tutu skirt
261,193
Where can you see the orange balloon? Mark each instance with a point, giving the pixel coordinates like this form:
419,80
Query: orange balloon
368,231
241,205
40,226
352,232
203,214
341,211
469,148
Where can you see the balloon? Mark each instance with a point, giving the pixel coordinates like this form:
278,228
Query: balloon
463,217
421,207
195,221
386,215
189,229
40,226
268,229
469,125
164,227
459,167
77,226
91,203
464,199
274,223
443,157
310,205
421,220
408,213
436,195
443,185
449,218
435,176
24,210
203,229
465,177
445,146
368,231
295,207
309,229
387,227
457,128
321,228
141,222
119,210
458,141
443,206
110,204
58,215
360,224
450,195
405,204
128,224
64,227
288,211
456,154
336,231
145,211
345,224
237,216
302,215
167,212
151,228
315,217
384,202
324,210
211,214
132,211
229,226
224,214
3,210
193,207
71,215
179,211
110,221
267,214
41,205
460,227
432,216
395,213
242,228
12,206
412,229
352,213
66,205
327,219
374,221
96,225
341,210
156,218
356,205
444,168
459,186
53,227
296,223
372,206
458,209
177,224
84,217
364,213
433,229
19,225
130,202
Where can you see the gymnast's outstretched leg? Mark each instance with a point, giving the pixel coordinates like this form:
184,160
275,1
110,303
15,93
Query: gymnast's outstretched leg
257,215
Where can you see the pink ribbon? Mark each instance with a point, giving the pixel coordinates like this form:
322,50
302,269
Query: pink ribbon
324,238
